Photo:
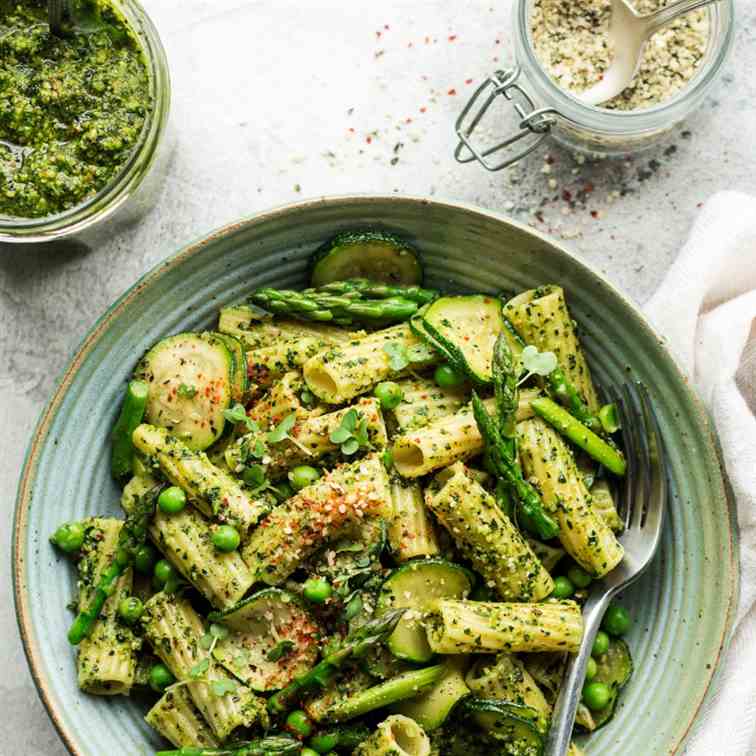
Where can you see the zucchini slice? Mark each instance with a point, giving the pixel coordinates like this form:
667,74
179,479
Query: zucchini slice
272,639
190,378
614,668
239,380
416,585
514,726
377,255
433,707
465,329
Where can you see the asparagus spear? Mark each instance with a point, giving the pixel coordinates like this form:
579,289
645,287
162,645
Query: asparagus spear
354,645
406,685
567,394
347,736
375,290
505,390
132,414
508,468
133,535
579,434
270,746
345,309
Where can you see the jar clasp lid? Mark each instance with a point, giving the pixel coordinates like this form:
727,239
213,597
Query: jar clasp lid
534,122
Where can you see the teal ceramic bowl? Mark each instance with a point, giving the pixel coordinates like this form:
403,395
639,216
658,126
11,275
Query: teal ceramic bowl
682,606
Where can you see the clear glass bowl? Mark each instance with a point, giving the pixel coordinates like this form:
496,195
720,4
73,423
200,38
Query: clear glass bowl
133,191
545,110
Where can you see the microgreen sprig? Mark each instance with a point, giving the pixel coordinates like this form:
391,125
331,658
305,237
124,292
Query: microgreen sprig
352,433
198,673
238,414
401,356
536,363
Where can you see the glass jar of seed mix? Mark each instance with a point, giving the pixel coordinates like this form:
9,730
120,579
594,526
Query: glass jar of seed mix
561,49
84,138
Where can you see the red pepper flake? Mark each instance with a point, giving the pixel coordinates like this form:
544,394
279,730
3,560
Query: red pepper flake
378,35
700,204
369,139
468,81
350,130
386,27
452,92
549,159
423,109
409,44
594,214
498,41
588,188
452,37
566,195
408,120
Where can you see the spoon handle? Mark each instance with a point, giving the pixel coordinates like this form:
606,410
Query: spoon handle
667,14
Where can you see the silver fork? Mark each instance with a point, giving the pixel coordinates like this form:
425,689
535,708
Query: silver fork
642,510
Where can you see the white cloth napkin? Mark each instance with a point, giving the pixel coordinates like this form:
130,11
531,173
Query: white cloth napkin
706,307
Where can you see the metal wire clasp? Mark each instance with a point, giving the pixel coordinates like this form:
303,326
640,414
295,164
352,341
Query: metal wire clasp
536,122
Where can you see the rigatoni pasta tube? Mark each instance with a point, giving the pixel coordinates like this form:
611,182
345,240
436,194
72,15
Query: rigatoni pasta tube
174,631
310,439
547,461
446,440
411,532
485,535
280,401
602,502
185,538
213,491
541,317
469,627
396,736
317,514
423,401
178,720
340,373
106,662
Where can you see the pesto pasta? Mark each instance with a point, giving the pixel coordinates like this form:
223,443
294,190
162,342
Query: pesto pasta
350,525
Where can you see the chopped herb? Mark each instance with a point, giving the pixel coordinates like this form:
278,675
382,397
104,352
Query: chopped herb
187,392
284,648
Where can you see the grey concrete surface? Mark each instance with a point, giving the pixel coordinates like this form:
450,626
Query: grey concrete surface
274,102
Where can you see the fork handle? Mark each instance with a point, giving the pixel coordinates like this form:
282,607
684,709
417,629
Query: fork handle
563,718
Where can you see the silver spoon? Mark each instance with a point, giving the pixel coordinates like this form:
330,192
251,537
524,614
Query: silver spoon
56,10
628,33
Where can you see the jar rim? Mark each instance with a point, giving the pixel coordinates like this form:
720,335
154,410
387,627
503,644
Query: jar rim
623,122
110,197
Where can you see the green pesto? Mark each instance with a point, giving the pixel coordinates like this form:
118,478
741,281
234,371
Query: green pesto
71,109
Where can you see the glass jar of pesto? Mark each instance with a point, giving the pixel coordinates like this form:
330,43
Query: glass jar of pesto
83,119
535,88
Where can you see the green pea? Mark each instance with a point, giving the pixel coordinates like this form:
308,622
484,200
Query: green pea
591,670
172,500
160,677
389,394
302,476
616,620
601,644
317,590
596,696
324,742
164,572
145,558
563,588
69,537
226,538
579,577
447,377
130,609
299,724
309,752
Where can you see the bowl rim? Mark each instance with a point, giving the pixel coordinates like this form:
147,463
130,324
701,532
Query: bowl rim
49,412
